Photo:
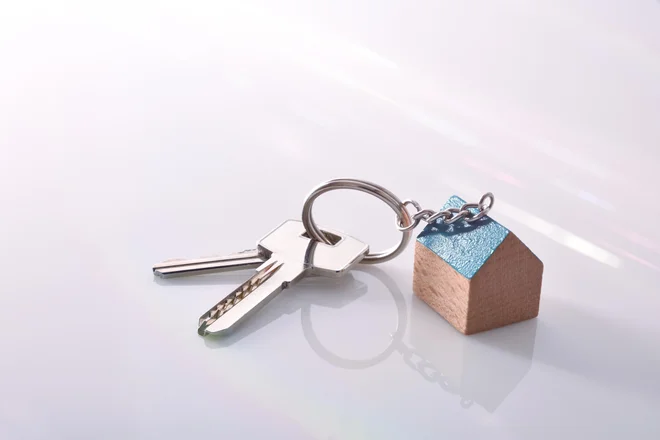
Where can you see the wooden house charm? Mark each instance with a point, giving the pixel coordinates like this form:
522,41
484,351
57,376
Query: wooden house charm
478,276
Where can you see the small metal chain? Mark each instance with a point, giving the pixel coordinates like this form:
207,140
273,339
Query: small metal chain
448,216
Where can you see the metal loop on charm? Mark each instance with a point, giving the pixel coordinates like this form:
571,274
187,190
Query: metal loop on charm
370,188
483,207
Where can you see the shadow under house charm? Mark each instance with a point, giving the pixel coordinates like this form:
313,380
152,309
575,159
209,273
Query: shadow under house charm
478,276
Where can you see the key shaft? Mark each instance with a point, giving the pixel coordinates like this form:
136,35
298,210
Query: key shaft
178,268
271,278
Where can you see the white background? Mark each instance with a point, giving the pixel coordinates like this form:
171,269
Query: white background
132,132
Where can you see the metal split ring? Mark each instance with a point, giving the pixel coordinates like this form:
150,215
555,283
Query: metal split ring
370,188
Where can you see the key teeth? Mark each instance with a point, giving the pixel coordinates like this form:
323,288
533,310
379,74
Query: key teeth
242,291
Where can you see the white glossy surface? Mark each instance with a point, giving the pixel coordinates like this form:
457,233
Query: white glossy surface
137,131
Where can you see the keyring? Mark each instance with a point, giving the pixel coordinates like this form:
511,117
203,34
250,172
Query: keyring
370,188
457,240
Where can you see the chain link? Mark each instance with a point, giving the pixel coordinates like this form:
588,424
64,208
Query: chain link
447,216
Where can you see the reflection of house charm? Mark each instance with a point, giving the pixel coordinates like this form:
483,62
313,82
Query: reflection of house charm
478,276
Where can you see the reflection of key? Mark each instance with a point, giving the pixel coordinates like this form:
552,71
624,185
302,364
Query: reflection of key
287,255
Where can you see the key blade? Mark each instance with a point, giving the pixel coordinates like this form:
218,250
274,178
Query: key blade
177,268
271,278
186,262
242,291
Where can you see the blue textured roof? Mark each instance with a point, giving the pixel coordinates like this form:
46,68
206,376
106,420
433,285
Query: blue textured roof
465,246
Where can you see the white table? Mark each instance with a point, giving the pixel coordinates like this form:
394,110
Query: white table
131,132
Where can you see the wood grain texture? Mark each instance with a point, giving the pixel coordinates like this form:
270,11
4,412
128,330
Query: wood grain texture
506,289
440,286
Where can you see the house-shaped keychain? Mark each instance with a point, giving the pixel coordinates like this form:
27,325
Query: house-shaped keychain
478,276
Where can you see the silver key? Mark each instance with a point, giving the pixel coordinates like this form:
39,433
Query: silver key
177,268
290,255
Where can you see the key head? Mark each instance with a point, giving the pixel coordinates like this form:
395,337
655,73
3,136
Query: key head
290,242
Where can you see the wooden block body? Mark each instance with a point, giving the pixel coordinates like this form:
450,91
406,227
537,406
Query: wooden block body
479,276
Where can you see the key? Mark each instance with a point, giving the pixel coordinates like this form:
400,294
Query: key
177,268
289,256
